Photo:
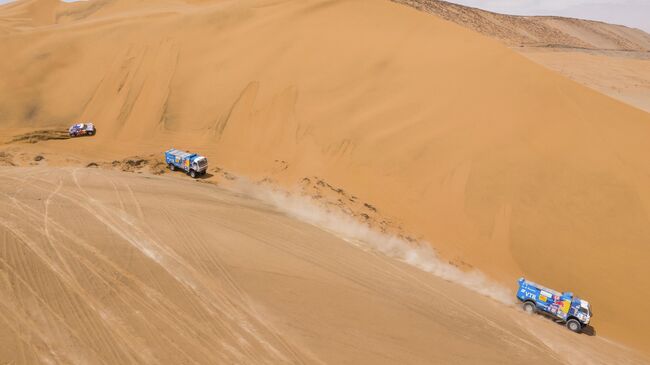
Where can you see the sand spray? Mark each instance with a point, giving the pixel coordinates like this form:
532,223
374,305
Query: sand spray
420,255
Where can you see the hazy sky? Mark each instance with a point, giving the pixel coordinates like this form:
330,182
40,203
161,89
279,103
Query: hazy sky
633,13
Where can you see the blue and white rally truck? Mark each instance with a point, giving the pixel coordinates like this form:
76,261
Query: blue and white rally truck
573,311
192,163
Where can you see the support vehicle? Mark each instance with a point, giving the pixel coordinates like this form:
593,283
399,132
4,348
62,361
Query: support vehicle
193,164
564,307
82,129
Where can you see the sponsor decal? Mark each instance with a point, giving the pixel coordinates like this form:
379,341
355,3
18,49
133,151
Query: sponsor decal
565,306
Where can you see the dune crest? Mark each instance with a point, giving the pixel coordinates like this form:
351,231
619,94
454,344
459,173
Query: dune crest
612,59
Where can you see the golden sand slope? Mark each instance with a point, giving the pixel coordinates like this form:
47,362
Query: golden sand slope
497,162
612,59
99,267
622,76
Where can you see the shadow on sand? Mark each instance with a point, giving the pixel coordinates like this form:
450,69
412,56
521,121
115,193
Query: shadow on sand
589,330
207,175
586,330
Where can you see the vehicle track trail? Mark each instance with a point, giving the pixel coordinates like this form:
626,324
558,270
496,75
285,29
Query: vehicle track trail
123,226
104,267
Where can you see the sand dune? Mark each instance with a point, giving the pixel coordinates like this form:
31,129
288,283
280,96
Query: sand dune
617,75
105,267
539,31
457,140
612,59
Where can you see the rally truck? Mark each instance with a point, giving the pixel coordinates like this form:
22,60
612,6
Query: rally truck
564,307
82,129
193,164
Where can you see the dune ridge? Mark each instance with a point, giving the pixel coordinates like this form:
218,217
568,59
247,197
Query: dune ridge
539,31
612,59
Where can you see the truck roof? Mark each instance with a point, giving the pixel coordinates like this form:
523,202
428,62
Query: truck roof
181,154
541,287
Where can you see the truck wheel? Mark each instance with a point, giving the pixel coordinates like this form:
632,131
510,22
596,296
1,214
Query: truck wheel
573,325
172,167
529,307
193,174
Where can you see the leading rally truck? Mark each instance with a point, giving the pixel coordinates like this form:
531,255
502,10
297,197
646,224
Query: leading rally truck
193,164
565,307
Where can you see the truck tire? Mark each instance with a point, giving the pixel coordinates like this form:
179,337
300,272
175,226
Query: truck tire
193,174
172,167
529,307
573,325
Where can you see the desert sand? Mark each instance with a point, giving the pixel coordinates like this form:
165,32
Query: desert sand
539,31
104,267
612,59
424,128
623,76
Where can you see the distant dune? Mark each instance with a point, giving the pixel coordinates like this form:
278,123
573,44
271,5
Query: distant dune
439,133
612,59
539,31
